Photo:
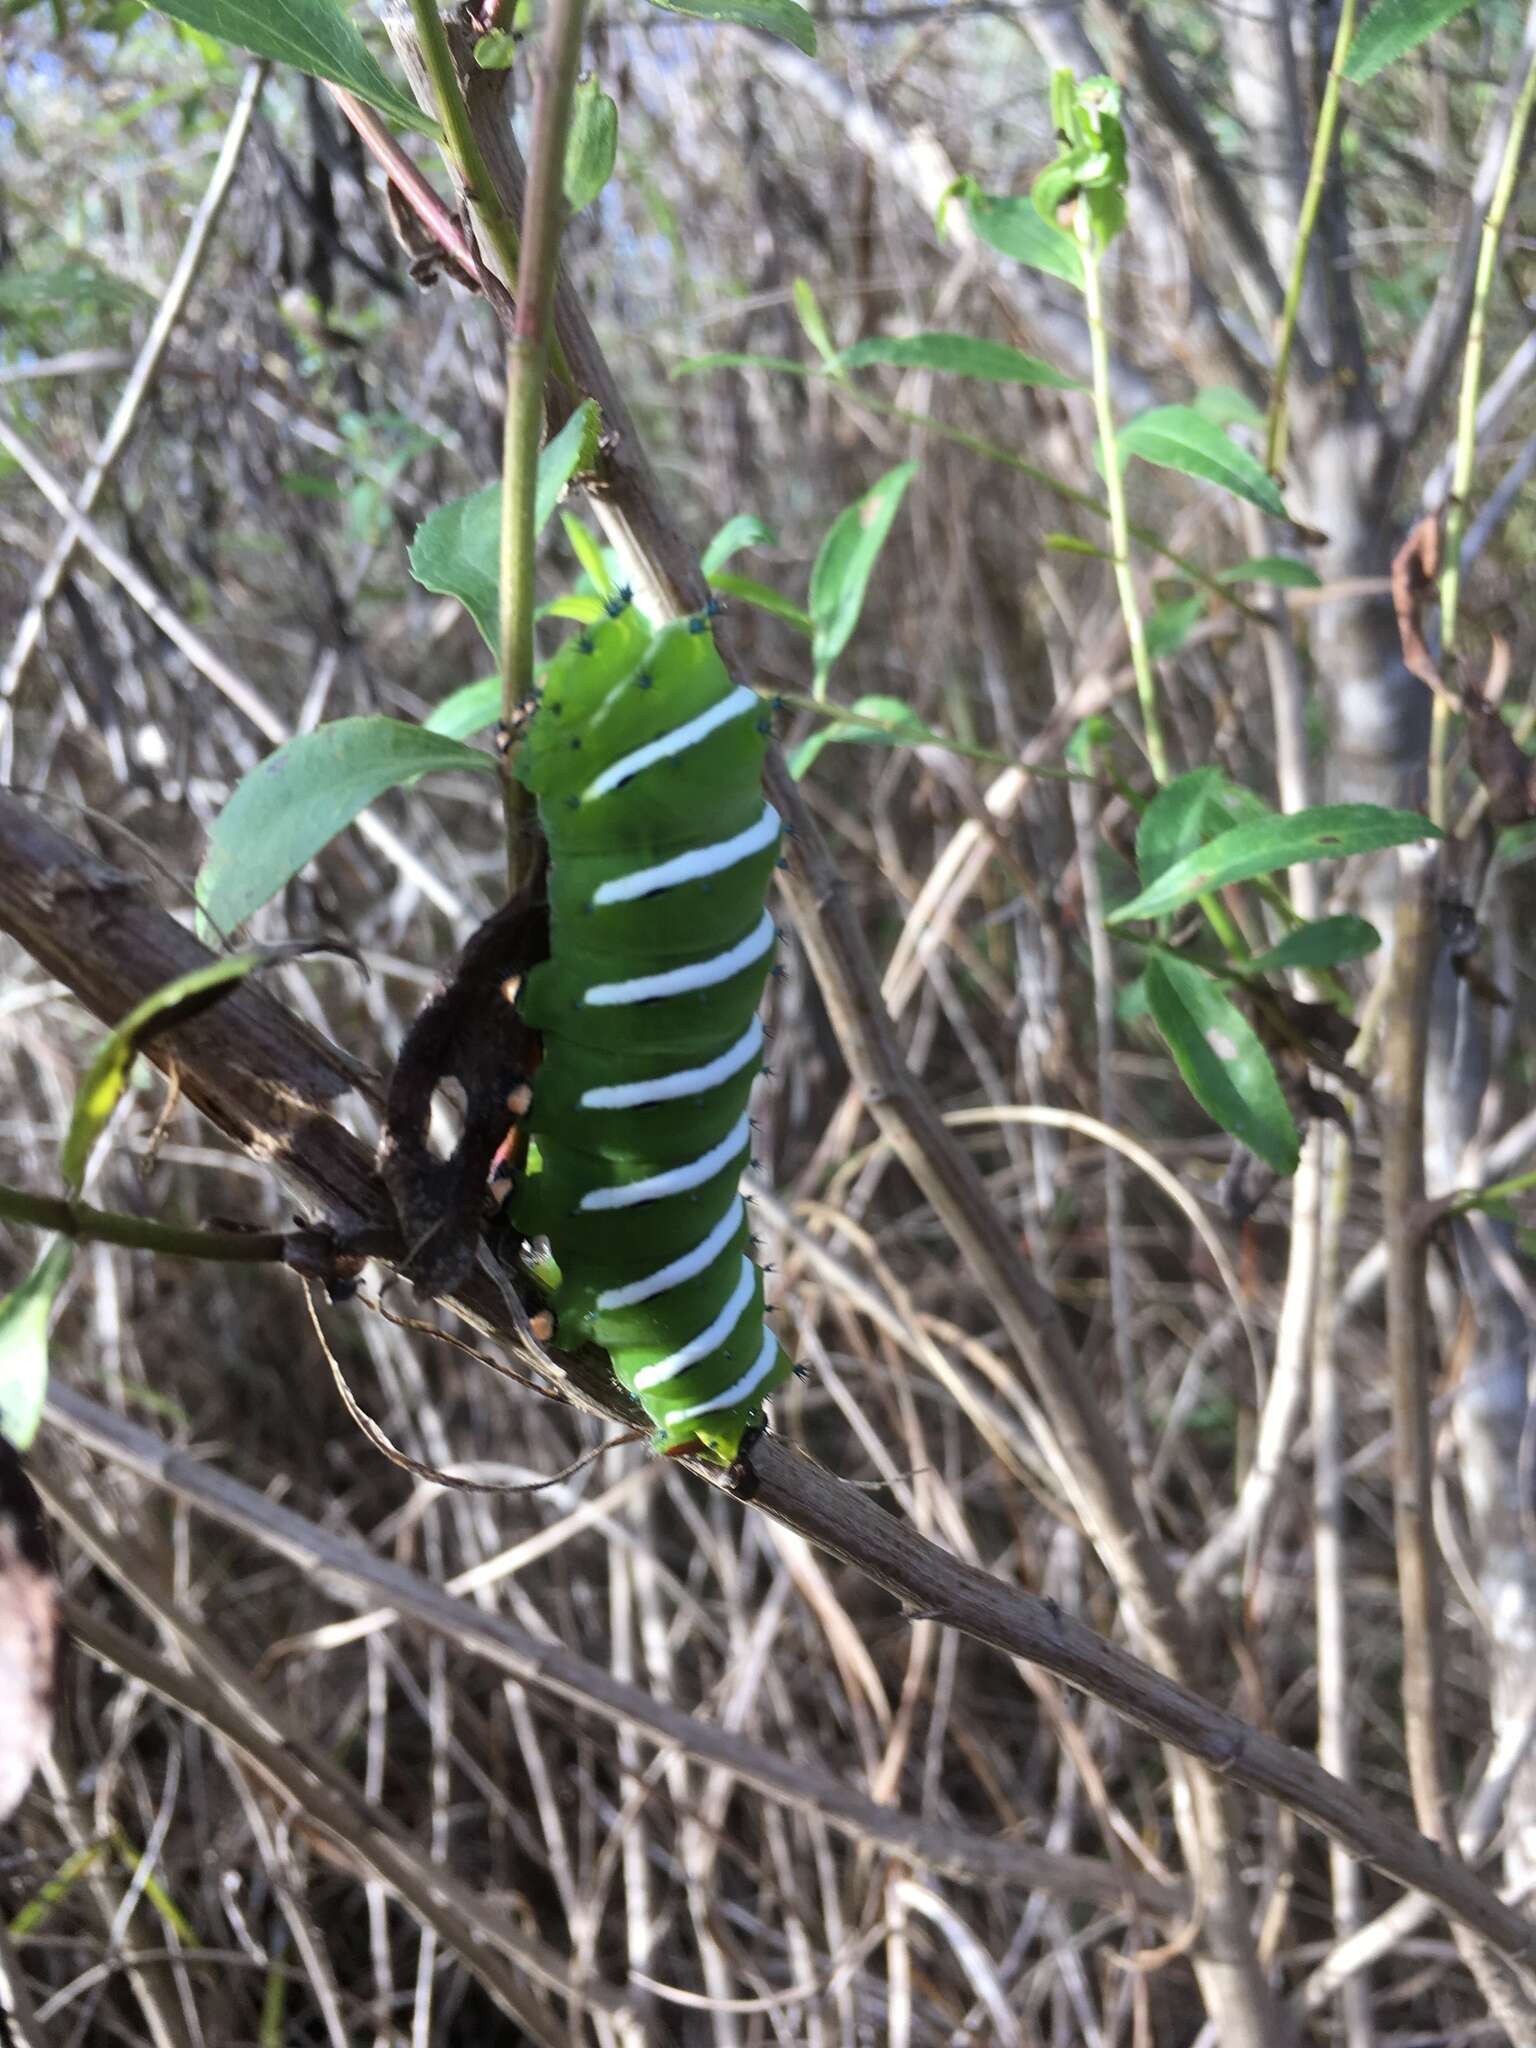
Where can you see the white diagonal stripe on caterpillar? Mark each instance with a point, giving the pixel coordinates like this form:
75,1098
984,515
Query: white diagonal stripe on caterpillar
740,701
690,867
682,1080
709,1339
680,981
677,1180
744,1388
688,1267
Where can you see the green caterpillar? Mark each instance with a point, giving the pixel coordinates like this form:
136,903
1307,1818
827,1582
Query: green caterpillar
647,762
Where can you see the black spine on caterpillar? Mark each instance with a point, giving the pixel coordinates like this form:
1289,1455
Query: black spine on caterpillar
646,761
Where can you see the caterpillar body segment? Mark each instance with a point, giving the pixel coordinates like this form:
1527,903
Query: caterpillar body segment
646,760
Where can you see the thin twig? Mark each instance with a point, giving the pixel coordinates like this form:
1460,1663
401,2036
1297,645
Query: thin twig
527,361
1311,201
137,388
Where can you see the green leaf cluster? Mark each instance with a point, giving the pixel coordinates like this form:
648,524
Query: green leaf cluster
1201,835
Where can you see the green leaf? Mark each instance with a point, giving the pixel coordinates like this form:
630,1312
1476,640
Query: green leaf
174,1002
812,320
588,550
957,355
764,596
468,709
1393,29
24,1318
883,721
1171,625
846,562
1069,544
1228,408
746,530
1173,823
1177,437
496,50
781,18
738,359
1327,942
315,35
1219,1054
592,145
1327,832
457,548
295,802
1280,570
1014,228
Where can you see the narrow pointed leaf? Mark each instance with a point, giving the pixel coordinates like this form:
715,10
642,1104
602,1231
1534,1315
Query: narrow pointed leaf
175,1002
1222,1061
884,721
957,355
316,36
1281,570
746,530
1178,437
24,1316
1328,832
764,596
846,562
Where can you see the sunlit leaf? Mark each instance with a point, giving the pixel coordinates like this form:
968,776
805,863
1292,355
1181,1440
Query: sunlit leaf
764,596
316,36
1014,228
457,548
1177,437
295,802
883,721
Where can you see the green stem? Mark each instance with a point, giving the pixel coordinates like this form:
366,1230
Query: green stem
1466,435
1484,1198
78,1220
527,359
1312,199
473,172
1114,486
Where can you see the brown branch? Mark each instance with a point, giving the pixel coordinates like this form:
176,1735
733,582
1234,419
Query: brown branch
1400,1098
250,1060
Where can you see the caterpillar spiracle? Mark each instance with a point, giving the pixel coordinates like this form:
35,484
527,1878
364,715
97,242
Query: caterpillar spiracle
646,761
